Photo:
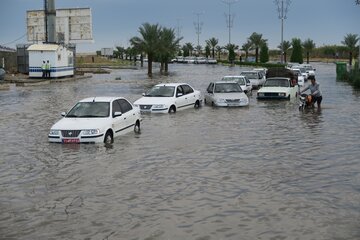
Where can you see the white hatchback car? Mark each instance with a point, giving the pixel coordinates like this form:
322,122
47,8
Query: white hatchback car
169,98
243,81
225,94
96,120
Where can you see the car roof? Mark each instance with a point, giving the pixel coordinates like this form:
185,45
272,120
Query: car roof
282,78
100,99
234,76
171,84
225,82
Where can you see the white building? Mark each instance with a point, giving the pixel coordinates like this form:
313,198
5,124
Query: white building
60,58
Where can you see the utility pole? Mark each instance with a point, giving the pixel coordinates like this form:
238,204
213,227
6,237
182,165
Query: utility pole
198,26
282,8
229,17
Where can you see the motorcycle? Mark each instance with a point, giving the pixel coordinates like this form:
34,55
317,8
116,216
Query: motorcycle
305,102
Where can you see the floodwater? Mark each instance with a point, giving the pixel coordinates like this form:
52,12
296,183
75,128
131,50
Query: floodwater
266,171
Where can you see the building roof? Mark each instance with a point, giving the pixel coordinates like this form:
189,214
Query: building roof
43,47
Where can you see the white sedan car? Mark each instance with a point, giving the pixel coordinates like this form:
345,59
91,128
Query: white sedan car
168,98
278,88
257,78
96,120
243,81
300,77
226,94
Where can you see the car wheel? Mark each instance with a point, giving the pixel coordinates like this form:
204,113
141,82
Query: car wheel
108,137
288,98
212,104
197,104
172,109
137,127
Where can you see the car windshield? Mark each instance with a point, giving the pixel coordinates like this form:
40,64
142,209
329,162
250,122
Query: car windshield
161,91
89,110
239,80
227,88
277,83
250,75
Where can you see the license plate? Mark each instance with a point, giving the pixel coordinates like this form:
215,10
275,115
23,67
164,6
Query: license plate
71,140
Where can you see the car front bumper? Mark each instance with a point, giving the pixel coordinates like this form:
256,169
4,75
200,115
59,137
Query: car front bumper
81,139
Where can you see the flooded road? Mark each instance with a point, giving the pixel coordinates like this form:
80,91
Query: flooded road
266,171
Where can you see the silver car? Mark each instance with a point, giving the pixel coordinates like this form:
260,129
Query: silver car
225,94
243,81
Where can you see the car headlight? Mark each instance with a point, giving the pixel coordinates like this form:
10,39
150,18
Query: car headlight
282,94
244,100
54,132
159,106
260,94
90,131
220,100
136,105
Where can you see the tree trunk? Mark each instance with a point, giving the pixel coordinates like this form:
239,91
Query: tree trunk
350,60
166,67
150,66
307,57
162,66
256,55
213,53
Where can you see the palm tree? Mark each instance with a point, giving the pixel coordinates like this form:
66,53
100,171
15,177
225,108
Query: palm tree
212,43
198,50
350,41
168,45
190,47
285,46
246,47
308,46
231,48
257,41
218,50
297,54
148,43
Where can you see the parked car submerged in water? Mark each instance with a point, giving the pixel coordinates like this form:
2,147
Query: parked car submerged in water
225,94
169,98
243,81
257,78
96,120
278,88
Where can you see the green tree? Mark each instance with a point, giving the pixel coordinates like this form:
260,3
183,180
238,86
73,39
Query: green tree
231,49
264,53
350,41
188,48
285,46
148,42
168,45
297,54
207,51
119,52
308,46
198,50
218,50
256,40
246,47
212,43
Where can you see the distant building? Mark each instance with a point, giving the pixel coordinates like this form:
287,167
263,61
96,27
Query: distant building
61,60
8,59
107,52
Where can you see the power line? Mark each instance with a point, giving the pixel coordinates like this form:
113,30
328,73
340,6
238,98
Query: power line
15,40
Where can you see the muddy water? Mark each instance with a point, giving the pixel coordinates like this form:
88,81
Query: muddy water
263,172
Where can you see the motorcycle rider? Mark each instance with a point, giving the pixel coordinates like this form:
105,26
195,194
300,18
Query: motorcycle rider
315,91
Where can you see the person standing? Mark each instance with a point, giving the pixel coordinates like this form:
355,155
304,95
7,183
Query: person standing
48,69
43,69
315,91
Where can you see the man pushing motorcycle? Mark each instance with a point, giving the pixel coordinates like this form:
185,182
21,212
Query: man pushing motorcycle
314,87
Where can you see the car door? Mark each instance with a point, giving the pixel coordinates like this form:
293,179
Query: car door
128,113
190,95
119,120
209,95
181,99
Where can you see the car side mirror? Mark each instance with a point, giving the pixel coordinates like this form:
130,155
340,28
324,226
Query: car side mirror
117,114
179,95
143,94
63,114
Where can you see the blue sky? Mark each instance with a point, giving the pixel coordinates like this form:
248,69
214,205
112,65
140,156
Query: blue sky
326,22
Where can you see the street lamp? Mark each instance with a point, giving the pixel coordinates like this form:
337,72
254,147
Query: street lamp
229,16
282,8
